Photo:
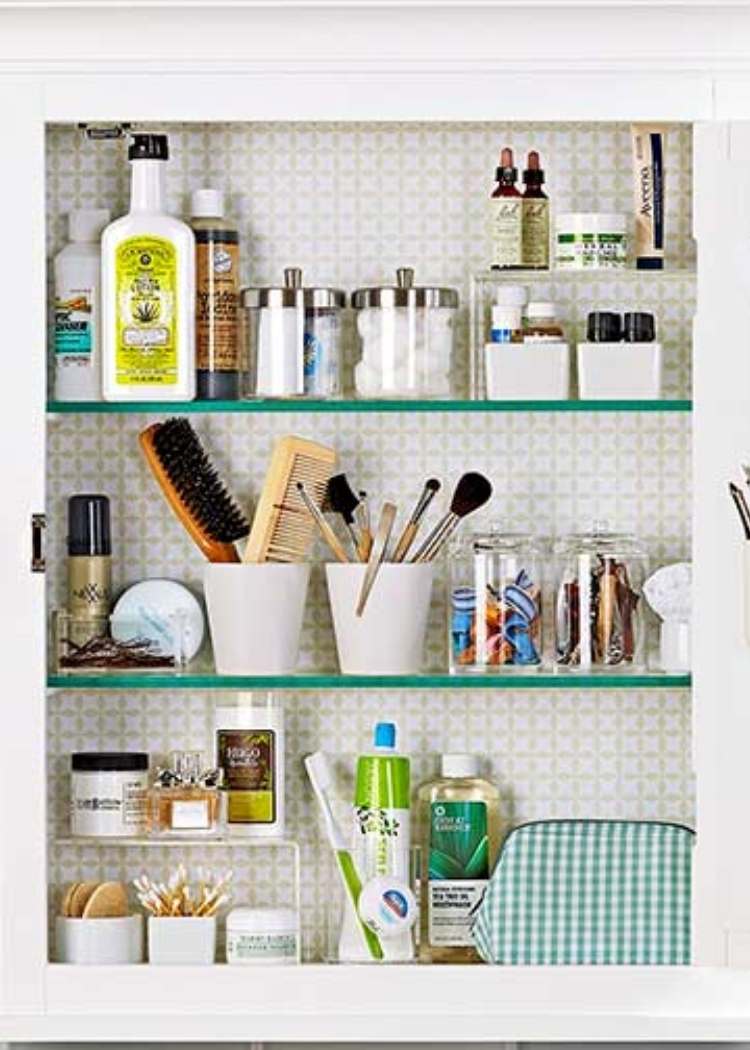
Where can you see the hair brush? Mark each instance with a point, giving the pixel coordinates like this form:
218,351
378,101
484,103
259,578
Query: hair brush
472,492
283,530
193,488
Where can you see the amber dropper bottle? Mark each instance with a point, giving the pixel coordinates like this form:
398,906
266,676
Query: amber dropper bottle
506,221
535,216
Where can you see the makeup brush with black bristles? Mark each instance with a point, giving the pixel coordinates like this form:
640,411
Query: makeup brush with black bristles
341,500
193,488
472,492
407,537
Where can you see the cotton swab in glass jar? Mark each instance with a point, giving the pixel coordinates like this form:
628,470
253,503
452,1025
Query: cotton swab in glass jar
175,899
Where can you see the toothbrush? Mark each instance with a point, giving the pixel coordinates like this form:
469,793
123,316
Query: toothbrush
319,772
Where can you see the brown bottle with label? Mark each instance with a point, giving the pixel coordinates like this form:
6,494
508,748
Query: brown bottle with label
217,256
535,213
506,216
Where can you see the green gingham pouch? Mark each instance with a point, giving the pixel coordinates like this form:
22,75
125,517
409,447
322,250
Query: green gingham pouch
591,892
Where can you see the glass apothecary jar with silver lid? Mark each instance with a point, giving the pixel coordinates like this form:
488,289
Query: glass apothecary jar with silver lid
599,616
406,338
293,339
495,609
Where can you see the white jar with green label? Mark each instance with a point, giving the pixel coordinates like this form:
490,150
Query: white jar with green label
269,936
460,822
591,241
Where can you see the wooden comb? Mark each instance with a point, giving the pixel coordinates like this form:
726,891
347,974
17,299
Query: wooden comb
282,528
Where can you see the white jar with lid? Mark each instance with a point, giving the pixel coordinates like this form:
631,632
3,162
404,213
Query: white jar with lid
591,241
108,793
269,936
406,336
294,339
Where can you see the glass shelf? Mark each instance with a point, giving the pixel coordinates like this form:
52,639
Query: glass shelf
143,680
309,407
188,842
625,274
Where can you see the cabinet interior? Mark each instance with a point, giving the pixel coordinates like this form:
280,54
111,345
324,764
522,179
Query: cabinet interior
349,203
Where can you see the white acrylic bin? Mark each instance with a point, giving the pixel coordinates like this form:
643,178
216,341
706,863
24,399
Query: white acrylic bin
181,941
389,637
255,614
619,371
99,942
527,371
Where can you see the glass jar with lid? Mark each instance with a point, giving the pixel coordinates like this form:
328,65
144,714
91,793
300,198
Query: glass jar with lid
406,338
495,614
293,339
598,607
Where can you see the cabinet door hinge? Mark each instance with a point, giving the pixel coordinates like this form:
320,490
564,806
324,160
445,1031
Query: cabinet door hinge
38,535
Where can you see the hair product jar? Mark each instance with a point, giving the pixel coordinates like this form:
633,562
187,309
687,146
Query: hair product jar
108,793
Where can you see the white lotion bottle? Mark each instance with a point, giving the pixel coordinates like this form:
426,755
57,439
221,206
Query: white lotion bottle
77,338
249,750
148,290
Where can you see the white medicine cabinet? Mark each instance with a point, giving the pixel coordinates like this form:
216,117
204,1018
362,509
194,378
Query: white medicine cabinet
351,171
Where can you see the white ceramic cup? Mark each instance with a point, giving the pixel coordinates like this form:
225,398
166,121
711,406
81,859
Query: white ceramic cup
183,941
99,942
255,614
389,637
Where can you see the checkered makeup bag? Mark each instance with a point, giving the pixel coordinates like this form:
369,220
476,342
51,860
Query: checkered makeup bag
593,892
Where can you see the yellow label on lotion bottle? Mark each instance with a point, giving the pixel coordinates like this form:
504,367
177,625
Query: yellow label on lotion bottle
148,290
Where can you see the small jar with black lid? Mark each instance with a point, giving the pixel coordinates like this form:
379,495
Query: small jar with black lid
294,339
108,793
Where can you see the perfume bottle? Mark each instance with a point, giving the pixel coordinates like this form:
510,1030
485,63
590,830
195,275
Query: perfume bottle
185,799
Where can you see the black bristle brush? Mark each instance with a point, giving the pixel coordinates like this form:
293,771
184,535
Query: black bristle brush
472,492
193,488
342,500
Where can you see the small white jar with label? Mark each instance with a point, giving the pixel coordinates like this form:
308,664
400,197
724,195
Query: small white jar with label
263,935
108,794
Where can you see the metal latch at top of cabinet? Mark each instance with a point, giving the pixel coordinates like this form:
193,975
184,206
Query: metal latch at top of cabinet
38,537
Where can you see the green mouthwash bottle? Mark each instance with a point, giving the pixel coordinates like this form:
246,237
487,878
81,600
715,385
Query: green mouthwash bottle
460,824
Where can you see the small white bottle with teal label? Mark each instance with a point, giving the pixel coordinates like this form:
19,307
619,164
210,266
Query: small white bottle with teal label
381,837
76,337
460,831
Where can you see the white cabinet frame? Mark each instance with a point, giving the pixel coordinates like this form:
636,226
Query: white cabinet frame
317,1003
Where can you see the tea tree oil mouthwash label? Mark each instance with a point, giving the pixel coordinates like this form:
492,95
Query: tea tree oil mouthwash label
247,759
458,870
146,282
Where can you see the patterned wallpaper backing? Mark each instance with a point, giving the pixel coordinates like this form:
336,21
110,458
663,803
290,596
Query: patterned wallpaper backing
350,203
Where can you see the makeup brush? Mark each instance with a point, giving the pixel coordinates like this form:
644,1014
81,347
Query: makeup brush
377,554
742,509
325,529
365,529
407,537
343,501
472,492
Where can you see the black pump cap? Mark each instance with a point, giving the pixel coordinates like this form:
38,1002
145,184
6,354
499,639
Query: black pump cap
149,147
88,526
640,328
604,327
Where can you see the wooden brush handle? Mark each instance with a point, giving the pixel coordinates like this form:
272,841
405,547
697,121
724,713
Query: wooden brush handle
365,544
324,528
405,541
213,550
